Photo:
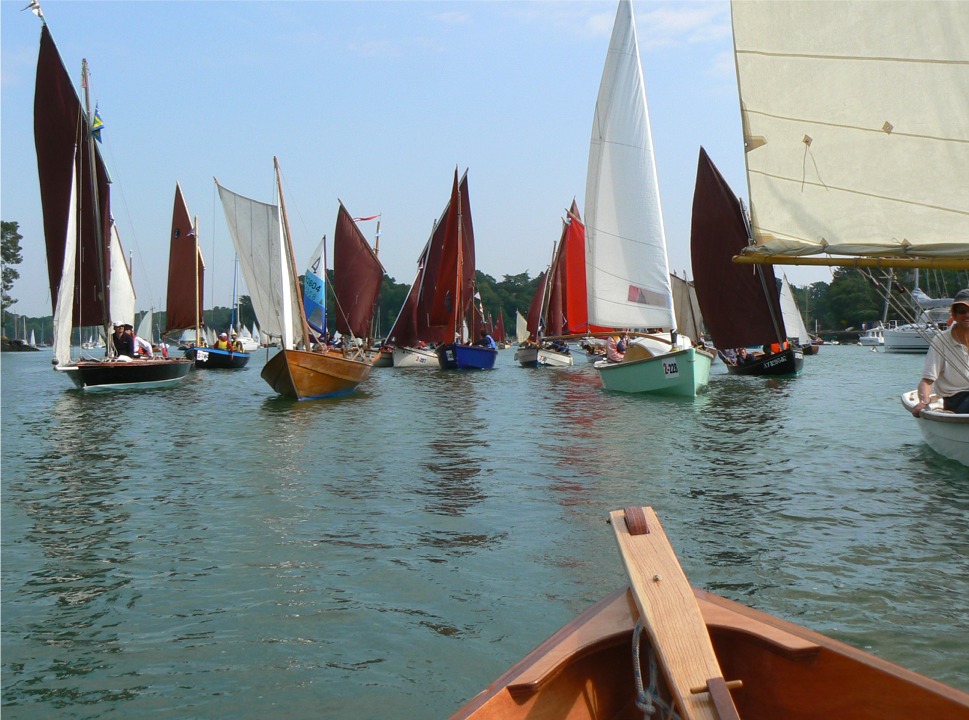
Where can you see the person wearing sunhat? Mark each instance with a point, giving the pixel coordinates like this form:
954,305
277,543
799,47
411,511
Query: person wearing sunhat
223,342
946,368
123,343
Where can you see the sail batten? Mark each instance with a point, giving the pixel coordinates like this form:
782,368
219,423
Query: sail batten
856,124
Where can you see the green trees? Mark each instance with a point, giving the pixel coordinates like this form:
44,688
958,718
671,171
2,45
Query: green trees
10,250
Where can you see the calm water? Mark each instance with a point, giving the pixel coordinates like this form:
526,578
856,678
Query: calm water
212,551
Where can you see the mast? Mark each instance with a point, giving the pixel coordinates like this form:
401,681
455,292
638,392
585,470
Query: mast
96,208
459,308
287,245
198,309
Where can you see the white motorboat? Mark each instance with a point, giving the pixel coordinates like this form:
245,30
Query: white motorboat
872,337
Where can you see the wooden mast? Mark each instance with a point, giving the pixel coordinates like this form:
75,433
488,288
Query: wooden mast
292,260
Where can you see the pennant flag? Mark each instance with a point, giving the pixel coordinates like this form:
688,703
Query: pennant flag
97,125
364,219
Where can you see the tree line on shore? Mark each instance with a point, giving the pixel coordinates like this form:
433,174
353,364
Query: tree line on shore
849,302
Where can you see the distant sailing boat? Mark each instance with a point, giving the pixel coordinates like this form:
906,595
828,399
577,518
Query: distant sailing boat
262,239
628,271
741,305
186,283
89,279
559,309
453,299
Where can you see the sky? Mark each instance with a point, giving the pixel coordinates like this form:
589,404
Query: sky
374,103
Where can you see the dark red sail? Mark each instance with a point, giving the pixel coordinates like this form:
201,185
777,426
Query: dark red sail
186,270
357,275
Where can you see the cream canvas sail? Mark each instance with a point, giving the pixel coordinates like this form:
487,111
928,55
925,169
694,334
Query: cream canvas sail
856,126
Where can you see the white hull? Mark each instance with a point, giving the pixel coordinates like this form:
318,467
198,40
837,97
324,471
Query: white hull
872,338
945,432
908,339
542,357
407,357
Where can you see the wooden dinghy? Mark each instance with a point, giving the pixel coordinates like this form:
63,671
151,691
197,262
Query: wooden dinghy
711,658
304,375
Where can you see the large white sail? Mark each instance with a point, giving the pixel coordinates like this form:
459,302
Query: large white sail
856,125
626,263
257,236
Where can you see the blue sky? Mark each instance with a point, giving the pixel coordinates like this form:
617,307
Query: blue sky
371,102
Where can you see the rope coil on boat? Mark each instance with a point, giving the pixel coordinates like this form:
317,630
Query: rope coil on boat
648,700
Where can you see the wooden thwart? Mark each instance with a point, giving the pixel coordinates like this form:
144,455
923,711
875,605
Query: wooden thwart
671,617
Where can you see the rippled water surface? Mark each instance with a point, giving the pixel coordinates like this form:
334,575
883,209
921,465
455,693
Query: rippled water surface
213,551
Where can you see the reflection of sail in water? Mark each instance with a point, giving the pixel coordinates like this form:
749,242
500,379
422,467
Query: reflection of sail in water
456,452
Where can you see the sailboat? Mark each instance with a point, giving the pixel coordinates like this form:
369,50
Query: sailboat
797,332
659,648
452,302
868,163
186,283
261,236
741,306
627,266
357,275
89,279
559,309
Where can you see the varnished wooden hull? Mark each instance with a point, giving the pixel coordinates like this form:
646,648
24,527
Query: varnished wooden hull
584,672
303,375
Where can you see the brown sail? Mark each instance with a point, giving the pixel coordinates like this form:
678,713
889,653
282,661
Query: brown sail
357,275
65,157
186,270
740,305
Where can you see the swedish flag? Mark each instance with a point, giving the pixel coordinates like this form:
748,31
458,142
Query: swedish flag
97,125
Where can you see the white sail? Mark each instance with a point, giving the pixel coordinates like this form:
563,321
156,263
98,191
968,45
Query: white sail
793,322
256,233
521,327
144,327
255,333
856,125
64,304
626,262
122,291
33,340
689,319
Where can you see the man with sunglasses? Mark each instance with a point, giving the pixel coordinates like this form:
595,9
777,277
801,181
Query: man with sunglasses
947,362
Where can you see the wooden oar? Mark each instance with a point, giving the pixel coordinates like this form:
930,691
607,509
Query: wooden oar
671,617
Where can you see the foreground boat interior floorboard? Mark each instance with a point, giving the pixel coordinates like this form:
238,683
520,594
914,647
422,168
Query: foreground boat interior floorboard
585,670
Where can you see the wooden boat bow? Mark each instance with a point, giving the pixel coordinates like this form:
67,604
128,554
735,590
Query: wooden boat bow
671,617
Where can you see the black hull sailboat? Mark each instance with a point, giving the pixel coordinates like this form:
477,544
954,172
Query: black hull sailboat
85,261
741,307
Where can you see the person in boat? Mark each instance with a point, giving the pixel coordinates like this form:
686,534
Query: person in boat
946,367
142,347
744,357
236,342
122,341
560,346
487,341
223,342
622,343
613,353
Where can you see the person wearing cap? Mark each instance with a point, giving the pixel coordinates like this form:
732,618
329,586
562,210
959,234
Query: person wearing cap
122,341
946,368
223,342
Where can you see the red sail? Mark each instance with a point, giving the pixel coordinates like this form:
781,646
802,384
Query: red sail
186,270
500,327
575,303
535,309
357,275
63,155
740,304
